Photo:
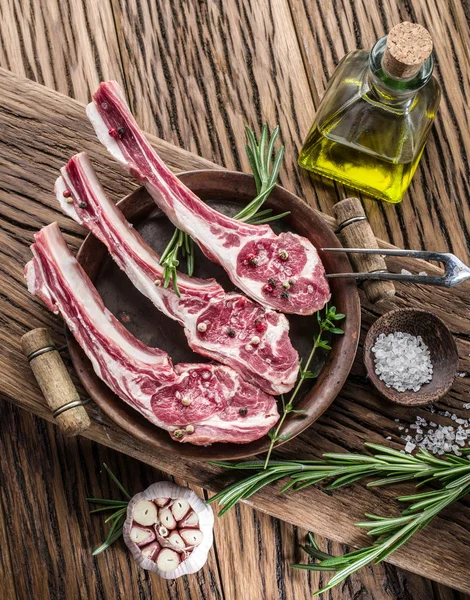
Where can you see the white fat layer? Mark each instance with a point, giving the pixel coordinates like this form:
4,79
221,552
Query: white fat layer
197,227
103,320
248,423
67,208
102,134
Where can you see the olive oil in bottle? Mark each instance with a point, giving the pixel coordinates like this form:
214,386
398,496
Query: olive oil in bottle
372,124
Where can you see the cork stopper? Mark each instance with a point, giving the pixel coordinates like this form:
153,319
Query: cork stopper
408,46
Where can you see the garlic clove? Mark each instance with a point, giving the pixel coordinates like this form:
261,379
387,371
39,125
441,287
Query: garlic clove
161,502
180,508
151,551
167,519
168,560
142,535
190,520
176,541
145,513
192,537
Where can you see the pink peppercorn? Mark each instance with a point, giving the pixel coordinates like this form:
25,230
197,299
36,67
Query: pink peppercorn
66,194
260,327
113,132
268,289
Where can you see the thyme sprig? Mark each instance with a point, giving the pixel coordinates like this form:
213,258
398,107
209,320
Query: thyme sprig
265,167
386,466
117,518
326,325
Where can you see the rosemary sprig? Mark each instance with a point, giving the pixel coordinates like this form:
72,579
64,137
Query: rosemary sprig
326,324
169,259
391,533
117,518
386,466
265,171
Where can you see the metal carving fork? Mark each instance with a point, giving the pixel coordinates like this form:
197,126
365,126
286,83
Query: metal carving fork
455,270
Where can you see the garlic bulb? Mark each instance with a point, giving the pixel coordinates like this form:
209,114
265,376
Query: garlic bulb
169,530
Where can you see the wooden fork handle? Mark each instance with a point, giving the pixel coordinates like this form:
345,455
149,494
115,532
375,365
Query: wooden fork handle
355,232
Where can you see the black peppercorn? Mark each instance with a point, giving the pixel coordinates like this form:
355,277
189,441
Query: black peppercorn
231,332
243,411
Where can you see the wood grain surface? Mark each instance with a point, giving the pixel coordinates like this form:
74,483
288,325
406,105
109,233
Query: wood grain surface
45,526
196,73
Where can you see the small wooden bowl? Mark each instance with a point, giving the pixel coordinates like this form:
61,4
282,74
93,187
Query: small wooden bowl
437,337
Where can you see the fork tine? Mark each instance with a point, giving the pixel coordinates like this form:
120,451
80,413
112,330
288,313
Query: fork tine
386,276
424,254
455,270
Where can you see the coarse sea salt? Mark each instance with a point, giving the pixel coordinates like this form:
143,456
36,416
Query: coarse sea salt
438,439
402,361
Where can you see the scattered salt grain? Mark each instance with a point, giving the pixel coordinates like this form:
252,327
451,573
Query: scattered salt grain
402,361
467,405
438,439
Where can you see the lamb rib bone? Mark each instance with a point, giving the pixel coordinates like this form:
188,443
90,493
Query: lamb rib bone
226,327
221,406
283,271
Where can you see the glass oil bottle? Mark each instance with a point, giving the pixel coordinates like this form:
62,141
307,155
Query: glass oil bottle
372,124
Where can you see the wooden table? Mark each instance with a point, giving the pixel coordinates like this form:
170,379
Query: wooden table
195,74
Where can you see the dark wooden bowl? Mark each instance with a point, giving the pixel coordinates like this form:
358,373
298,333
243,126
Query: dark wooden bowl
436,336
225,191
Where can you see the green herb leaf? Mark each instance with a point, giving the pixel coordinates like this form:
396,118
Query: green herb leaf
117,518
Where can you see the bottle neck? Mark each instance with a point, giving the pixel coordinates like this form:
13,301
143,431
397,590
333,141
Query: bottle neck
395,92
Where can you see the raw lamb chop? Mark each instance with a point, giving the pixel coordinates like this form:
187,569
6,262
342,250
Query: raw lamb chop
200,404
283,271
226,327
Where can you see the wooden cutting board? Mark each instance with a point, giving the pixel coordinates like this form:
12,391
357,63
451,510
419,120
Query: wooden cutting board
39,130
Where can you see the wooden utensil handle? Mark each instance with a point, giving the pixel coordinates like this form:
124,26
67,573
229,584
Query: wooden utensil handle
356,232
55,382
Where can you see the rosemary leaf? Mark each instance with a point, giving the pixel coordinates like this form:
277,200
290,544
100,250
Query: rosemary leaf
116,481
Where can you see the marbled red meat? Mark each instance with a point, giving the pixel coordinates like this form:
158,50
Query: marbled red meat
196,403
252,255
225,327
